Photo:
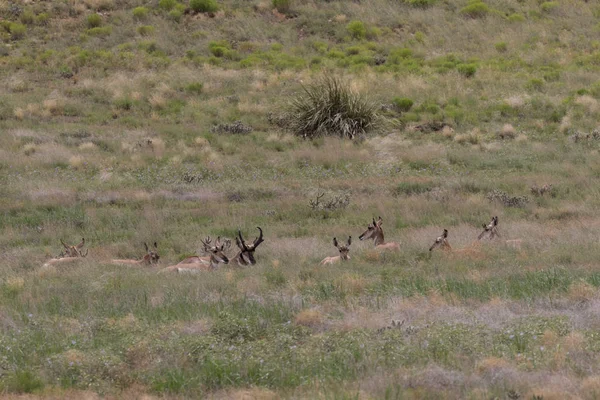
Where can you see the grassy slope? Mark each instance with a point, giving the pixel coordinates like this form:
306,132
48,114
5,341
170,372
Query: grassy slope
81,103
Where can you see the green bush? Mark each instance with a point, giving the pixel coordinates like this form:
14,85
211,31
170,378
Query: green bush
477,9
421,3
535,84
27,17
140,13
94,21
329,107
145,30
516,17
549,6
23,382
467,70
218,49
501,47
403,104
204,6
283,6
42,19
167,5
17,31
100,31
195,88
175,14
357,29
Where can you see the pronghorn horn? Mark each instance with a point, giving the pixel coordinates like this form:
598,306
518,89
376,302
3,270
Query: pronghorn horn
241,240
80,245
349,240
260,239
335,242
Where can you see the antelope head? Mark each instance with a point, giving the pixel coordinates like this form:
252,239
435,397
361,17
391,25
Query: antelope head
152,256
246,256
373,231
74,251
344,250
216,251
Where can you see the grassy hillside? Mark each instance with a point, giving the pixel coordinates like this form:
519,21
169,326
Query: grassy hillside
119,123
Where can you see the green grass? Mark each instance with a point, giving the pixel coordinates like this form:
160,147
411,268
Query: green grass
108,134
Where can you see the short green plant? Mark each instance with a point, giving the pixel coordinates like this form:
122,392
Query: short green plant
167,5
421,3
501,47
94,21
549,6
17,31
204,6
283,6
403,104
357,30
467,70
476,9
145,30
195,88
140,13
329,107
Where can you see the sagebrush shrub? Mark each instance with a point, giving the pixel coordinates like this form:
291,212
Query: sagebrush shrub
402,103
357,29
17,31
476,9
420,3
94,21
167,5
140,12
467,70
329,107
203,6
283,6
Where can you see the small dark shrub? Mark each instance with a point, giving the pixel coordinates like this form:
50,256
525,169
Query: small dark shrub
501,47
145,30
283,6
421,3
403,104
167,5
329,107
204,6
94,21
467,70
195,88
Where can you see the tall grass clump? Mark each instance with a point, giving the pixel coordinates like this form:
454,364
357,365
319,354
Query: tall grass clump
330,108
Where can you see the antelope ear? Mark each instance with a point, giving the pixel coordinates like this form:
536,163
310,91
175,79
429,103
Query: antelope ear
379,221
349,240
146,246
374,223
155,245
335,242
80,245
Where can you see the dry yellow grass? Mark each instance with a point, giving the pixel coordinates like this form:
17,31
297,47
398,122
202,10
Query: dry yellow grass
310,317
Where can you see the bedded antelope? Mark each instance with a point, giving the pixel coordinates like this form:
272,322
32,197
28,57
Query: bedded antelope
343,252
491,229
207,263
441,241
375,231
245,256
69,254
151,257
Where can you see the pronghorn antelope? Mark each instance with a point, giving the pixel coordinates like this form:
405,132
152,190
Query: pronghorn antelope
541,190
74,251
211,262
441,241
375,231
491,229
150,258
69,254
343,252
246,254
